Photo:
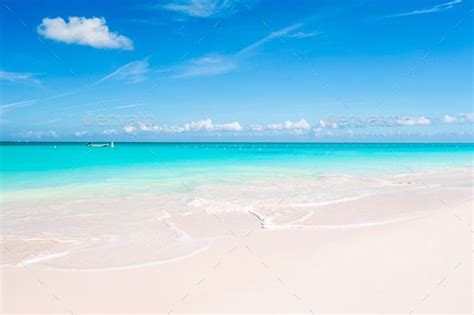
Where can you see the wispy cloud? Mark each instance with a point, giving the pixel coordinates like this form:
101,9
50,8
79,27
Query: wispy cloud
128,106
300,35
218,64
433,9
204,8
206,66
10,106
92,32
49,121
27,77
276,34
132,72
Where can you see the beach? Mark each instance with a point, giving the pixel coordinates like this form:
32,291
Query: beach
309,241
236,157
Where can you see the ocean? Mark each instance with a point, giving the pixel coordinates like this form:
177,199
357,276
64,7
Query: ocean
149,203
39,165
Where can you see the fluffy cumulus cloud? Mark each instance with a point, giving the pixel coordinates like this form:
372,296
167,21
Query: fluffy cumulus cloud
296,127
413,121
290,125
205,125
208,125
328,123
92,32
458,119
448,119
466,117
233,126
200,125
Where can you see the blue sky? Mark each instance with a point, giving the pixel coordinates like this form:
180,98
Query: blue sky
229,70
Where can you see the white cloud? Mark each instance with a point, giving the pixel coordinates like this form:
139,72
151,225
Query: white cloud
433,9
257,127
448,119
204,125
80,134
409,121
466,117
109,132
298,127
208,125
92,32
460,119
129,129
203,8
290,125
233,126
27,77
328,124
132,72
200,125
41,134
206,66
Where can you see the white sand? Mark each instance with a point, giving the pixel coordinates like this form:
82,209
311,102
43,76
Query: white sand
405,247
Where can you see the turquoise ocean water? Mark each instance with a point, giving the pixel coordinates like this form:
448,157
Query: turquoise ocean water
168,165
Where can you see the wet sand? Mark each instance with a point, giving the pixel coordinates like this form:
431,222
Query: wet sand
404,244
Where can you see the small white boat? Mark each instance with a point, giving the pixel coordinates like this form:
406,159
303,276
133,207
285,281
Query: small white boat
100,145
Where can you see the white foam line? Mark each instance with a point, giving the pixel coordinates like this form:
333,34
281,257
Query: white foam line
303,218
154,263
272,226
39,258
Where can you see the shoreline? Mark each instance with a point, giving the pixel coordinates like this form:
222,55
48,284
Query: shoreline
244,239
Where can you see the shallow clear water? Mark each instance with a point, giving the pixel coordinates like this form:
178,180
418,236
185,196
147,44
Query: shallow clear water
138,204
42,165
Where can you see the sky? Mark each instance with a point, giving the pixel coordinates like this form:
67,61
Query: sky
236,70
